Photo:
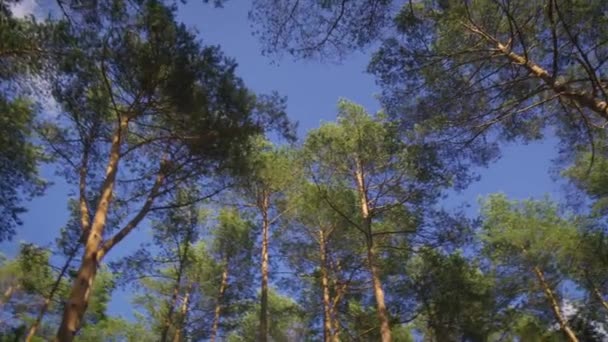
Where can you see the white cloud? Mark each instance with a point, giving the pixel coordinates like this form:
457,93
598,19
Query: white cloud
39,88
48,106
26,8
570,309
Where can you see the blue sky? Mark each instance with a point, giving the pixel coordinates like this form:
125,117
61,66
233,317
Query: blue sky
313,90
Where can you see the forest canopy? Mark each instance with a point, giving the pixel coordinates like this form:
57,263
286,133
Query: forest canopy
195,202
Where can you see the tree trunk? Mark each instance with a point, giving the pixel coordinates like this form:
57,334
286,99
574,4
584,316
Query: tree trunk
335,322
47,301
596,292
169,318
336,325
32,331
551,298
8,294
81,289
184,313
327,321
599,296
264,293
218,304
173,301
340,291
385,330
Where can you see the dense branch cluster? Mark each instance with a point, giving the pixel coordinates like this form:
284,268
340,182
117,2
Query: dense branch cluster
182,202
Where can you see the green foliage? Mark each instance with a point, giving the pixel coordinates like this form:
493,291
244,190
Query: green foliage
453,90
318,29
527,232
115,330
232,235
19,156
101,295
588,173
285,321
34,267
32,277
450,65
401,168
458,300
270,169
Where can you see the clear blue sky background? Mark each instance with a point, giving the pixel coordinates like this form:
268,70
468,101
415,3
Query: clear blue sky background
313,90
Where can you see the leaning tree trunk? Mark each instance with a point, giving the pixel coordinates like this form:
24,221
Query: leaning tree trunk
553,302
8,293
218,304
174,297
600,298
169,318
183,316
47,301
596,292
327,321
385,330
81,288
264,291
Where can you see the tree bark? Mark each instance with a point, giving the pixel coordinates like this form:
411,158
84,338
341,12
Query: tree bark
218,304
596,292
6,296
336,326
184,313
174,297
85,219
552,299
171,308
340,291
47,301
385,330
81,289
599,296
582,98
327,321
264,205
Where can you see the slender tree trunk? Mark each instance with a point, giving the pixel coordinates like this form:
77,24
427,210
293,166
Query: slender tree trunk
32,331
340,291
184,313
218,304
552,299
596,292
85,219
81,289
336,325
47,301
599,296
385,330
264,293
327,321
335,322
333,314
6,296
171,303
171,308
